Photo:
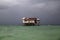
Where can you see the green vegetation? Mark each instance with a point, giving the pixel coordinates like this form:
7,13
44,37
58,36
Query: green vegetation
30,32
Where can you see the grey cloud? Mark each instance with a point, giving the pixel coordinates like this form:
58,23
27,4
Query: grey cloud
47,10
11,3
7,3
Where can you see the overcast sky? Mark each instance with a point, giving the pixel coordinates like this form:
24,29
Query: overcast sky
47,10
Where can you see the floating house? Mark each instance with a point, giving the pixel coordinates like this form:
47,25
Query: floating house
30,21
